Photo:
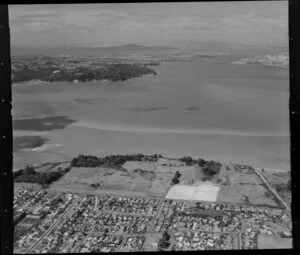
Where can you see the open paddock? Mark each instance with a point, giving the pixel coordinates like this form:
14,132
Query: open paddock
203,192
274,242
149,178
239,184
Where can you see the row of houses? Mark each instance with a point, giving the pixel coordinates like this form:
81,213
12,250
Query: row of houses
189,241
66,235
132,205
133,244
50,214
85,219
94,220
227,223
101,243
24,200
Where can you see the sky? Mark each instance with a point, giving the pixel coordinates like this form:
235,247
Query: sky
256,23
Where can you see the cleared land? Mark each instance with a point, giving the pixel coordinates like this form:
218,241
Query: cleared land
154,179
274,242
202,191
279,181
238,183
139,178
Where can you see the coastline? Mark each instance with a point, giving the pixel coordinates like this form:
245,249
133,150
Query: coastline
140,129
233,149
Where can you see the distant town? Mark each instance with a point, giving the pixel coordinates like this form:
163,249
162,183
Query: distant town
114,206
279,61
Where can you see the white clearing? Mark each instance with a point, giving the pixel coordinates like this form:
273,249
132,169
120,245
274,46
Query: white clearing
206,191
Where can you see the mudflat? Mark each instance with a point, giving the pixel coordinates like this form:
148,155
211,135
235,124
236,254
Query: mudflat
180,111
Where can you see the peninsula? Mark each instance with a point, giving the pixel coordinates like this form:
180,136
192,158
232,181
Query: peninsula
74,69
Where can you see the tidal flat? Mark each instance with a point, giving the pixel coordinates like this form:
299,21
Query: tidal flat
234,113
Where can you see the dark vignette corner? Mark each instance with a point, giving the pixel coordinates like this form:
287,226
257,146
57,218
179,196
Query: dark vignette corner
294,111
6,183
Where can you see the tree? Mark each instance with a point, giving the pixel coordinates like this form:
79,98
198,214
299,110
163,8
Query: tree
187,160
166,236
175,180
288,185
245,199
162,244
177,174
29,170
95,185
201,162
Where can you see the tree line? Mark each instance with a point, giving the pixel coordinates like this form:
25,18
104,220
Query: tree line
208,167
112,161
29,175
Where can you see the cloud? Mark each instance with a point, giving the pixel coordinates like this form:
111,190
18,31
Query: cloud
256,19
149,21
41,17
37,16
39,21
147,109
19,21
153,21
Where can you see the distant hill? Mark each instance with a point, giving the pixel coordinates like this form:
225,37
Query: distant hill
134,47
83,50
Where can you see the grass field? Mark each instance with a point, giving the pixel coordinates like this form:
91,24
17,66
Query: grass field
273,242
151,179
279,181
237,184
154,179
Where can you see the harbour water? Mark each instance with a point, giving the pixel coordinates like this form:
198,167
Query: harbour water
210,109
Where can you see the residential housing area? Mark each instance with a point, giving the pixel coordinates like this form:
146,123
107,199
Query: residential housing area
85,223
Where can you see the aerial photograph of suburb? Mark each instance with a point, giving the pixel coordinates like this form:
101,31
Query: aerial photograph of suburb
150,127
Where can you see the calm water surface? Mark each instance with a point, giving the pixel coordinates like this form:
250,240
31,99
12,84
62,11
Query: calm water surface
216,110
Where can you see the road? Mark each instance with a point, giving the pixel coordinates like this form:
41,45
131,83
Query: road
157,214
76,248
150,231
258,172
53,226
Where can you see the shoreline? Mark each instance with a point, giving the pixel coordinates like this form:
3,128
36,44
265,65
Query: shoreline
137,129
51,145
170,156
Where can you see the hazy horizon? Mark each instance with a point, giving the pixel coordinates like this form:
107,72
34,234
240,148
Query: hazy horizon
164,24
